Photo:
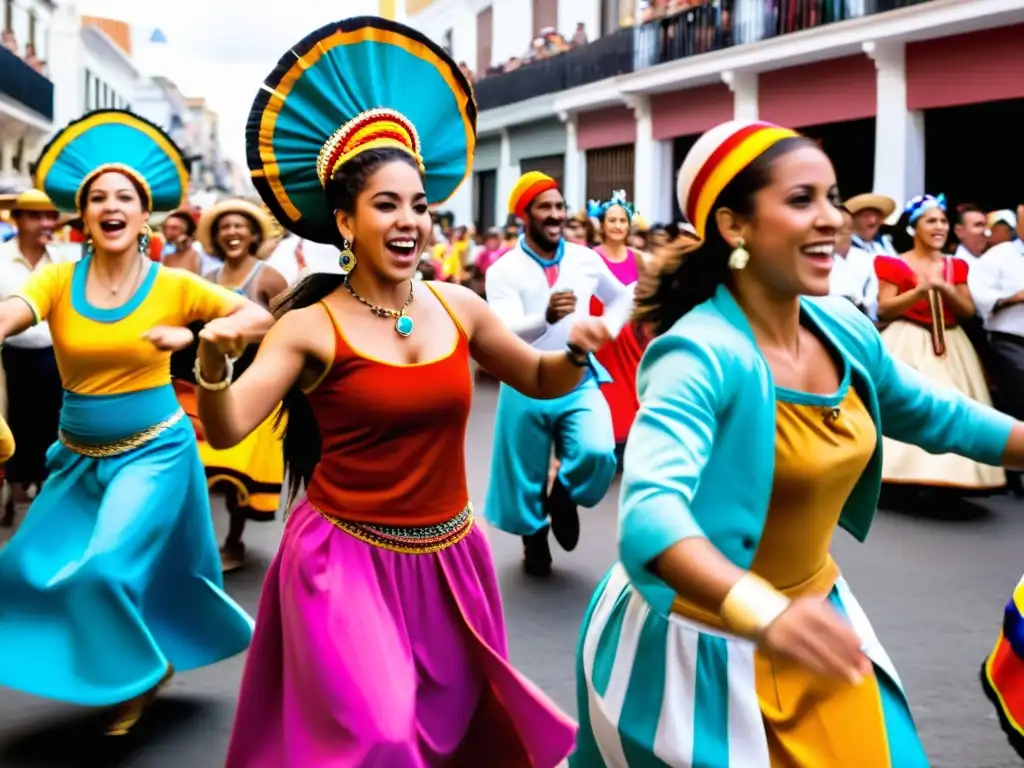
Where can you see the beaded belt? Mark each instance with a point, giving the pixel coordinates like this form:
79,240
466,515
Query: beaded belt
409,540
106,450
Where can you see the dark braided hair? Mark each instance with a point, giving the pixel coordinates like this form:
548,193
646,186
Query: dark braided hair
302,435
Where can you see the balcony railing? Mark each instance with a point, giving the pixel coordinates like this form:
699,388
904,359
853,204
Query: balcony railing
703,27
26,86
711,26
606,57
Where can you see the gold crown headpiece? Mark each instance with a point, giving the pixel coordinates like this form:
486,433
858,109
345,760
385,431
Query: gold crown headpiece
372,129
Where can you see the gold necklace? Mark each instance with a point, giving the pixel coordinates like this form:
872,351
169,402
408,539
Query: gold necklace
133,272
403,323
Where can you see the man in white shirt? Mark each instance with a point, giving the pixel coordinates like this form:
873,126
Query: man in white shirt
853,271
34,392
1002,228
970,229
869,213
538,289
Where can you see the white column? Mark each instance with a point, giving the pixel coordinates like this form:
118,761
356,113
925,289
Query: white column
508,175
574,188
10,144
899,132
744,90
653,172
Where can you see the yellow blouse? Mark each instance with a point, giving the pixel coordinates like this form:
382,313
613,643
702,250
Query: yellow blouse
822,446
101,351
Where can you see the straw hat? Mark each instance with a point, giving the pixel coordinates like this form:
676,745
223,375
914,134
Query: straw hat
253,212
869,201
29,200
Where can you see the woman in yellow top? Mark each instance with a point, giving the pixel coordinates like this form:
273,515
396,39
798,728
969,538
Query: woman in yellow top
252,471
113,579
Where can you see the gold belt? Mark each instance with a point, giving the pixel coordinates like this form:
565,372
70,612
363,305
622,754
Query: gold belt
409,540
106,450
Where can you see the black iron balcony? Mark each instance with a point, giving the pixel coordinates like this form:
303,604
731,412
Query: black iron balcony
702,27
606,57
26,86
715,24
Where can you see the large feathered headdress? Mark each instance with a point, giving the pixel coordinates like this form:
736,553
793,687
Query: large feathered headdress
349,87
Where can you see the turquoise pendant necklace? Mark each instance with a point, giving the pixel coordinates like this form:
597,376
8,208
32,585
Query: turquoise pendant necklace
403,323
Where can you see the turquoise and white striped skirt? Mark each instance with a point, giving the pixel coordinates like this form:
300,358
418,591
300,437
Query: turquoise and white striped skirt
657,691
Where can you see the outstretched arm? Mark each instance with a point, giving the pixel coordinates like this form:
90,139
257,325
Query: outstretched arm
15,316
296,350
503,354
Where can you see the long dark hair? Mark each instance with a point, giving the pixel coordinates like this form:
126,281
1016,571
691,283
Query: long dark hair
302,434
692,271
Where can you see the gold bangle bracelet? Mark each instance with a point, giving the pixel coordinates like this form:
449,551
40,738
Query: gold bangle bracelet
751,606
214,386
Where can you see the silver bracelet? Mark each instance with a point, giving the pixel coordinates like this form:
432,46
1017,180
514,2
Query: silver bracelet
216,386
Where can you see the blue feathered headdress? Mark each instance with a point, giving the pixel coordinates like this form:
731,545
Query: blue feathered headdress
112,140
598,210
355,85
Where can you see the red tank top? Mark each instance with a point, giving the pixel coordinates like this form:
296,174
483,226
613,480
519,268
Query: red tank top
392,436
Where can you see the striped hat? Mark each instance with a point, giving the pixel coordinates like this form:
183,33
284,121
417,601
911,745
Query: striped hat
526,190
716,159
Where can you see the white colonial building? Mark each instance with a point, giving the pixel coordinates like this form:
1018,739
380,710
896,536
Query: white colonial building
91,65
898,92
26,87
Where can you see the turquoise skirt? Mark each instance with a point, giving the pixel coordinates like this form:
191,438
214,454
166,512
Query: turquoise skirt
115,572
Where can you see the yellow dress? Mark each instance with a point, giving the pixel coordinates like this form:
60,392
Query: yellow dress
254,468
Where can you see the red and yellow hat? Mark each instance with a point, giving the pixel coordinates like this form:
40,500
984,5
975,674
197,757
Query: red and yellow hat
527,189
716,159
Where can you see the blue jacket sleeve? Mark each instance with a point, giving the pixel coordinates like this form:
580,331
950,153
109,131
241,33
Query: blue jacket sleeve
680,388
935,417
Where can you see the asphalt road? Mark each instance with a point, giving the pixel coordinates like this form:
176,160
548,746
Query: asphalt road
933,588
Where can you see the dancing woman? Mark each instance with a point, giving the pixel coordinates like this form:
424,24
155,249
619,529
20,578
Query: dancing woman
726,637
113,579
380,638
252,471
622,356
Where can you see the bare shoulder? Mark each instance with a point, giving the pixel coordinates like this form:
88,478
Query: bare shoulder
466,304
308,330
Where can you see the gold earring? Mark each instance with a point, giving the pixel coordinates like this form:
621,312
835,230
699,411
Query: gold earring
347,259
739,257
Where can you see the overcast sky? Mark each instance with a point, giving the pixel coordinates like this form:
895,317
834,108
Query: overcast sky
222,49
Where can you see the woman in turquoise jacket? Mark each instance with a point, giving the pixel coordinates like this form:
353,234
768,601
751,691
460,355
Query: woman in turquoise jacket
726,636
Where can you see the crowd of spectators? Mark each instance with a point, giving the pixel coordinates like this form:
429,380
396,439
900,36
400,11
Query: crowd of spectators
9,41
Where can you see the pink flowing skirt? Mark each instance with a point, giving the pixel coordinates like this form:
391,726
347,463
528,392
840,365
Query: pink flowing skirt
364,657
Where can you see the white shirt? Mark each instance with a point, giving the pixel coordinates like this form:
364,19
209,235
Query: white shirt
518,292
853,277
998,274
14,272
964,255
881,247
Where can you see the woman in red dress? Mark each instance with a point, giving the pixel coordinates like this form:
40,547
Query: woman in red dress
923,295
622,356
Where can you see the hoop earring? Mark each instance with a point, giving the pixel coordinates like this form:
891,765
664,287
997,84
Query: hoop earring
346,259
144,240
739,257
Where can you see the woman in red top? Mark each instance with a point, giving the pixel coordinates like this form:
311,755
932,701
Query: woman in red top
380,639
923,295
